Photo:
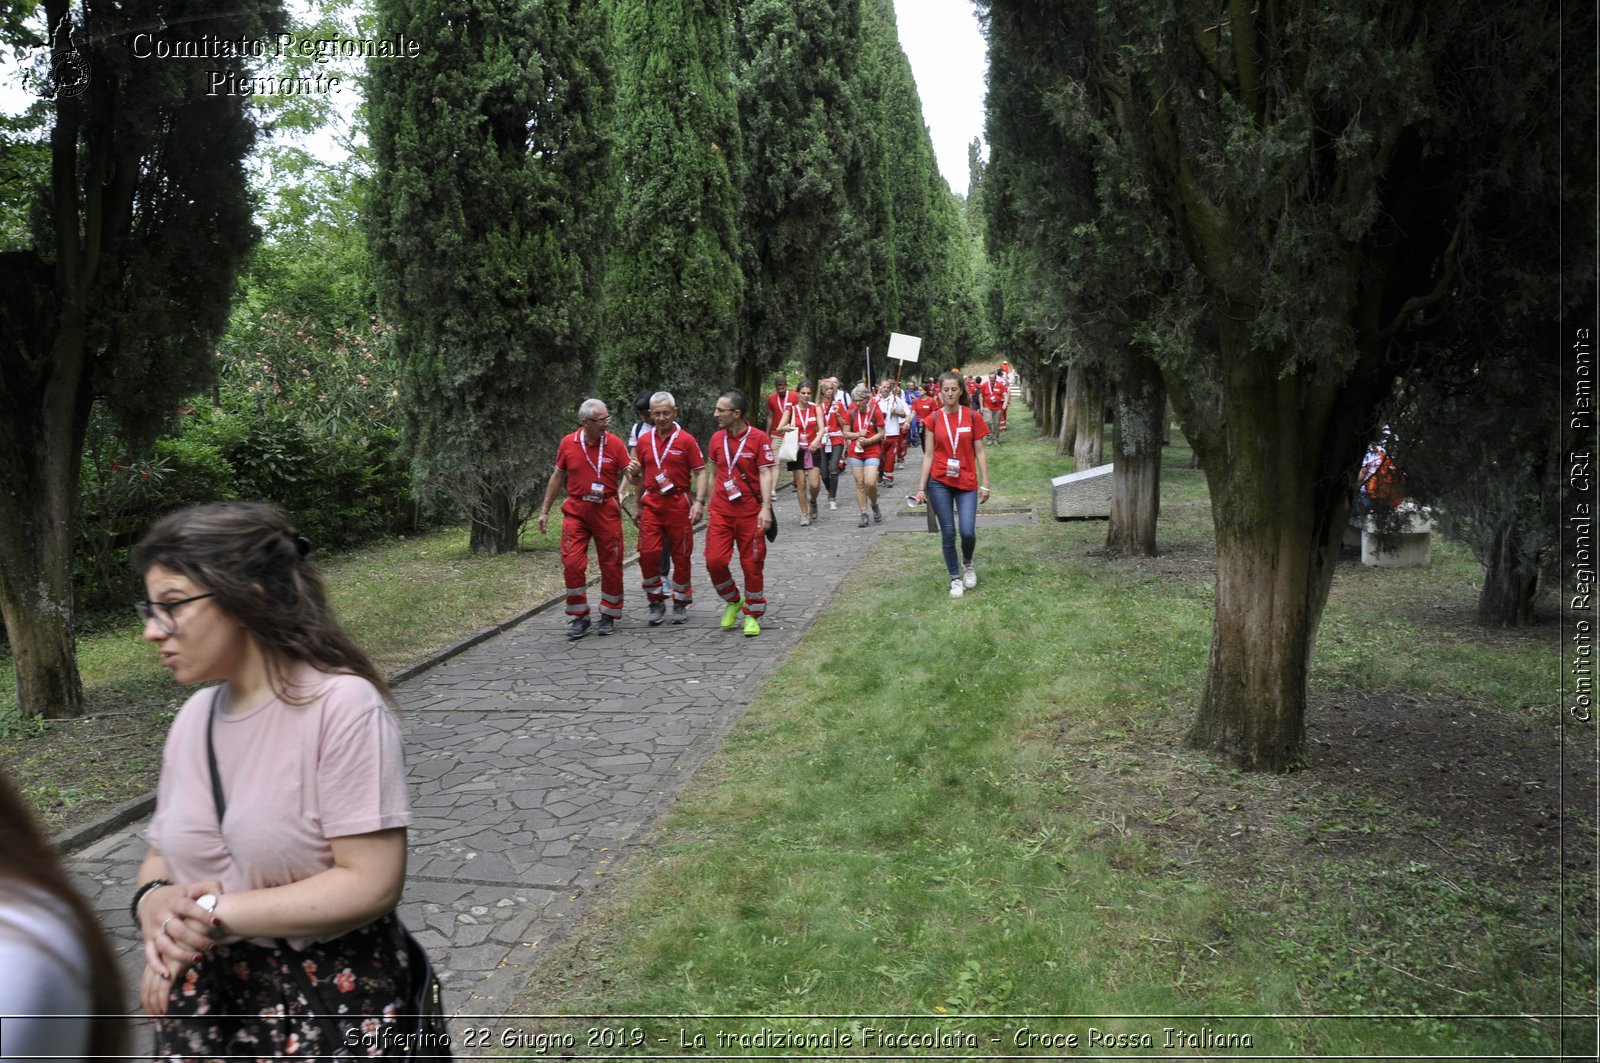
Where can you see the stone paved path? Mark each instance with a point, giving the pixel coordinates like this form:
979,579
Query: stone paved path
536,764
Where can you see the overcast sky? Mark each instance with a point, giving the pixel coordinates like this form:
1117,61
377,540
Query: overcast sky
950,61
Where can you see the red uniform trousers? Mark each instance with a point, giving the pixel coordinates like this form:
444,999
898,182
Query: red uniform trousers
723,533
664,526
887,453
602,522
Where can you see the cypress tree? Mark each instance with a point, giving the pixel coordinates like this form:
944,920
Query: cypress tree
673,281
141,221
925,281
485,231
801,121
1309,180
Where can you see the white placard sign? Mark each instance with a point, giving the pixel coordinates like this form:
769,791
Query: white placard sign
904,348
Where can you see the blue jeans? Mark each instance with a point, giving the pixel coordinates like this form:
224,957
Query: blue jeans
949,507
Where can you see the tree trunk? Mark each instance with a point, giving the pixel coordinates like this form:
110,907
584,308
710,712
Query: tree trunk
1136,440
495,525
1045,400
44,411
1089,440
1510,579
1286,447
1071,409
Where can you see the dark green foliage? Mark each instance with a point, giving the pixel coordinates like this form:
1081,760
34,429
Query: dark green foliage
136,238
1478,436
1282,199
926,281
673,282
850,232
807,274
486,237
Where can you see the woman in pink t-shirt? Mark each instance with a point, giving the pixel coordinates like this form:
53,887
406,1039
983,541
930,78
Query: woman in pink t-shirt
279,838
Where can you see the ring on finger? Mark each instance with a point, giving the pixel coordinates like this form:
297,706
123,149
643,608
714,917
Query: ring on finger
164,923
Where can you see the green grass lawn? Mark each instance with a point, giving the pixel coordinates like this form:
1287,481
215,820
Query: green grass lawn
986,810
990,813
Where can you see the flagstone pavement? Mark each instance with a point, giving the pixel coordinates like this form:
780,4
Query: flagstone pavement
536,764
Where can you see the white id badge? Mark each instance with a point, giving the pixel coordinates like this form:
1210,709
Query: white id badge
861,448
597,488
663,484
952,467
730,489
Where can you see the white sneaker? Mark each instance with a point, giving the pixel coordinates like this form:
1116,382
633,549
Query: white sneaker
969,577
956,589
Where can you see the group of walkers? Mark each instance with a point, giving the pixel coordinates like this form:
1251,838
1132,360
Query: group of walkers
266,899
669,471
816,433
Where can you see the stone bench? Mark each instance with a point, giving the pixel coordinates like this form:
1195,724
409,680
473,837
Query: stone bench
1406,543
1082,495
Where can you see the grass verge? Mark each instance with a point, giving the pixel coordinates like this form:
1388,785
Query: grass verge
990,813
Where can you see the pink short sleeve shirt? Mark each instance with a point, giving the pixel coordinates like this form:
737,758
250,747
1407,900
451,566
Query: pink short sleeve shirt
293,776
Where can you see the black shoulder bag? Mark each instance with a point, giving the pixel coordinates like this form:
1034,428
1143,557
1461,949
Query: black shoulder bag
422,1028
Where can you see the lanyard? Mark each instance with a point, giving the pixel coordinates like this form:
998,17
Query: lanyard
733,462
656,449
802,420
599,451
945,417
860,419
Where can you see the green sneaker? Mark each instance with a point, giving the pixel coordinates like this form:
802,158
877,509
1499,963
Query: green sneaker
730,613
751,628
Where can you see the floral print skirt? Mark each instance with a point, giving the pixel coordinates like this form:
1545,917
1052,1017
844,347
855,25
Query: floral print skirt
244,1002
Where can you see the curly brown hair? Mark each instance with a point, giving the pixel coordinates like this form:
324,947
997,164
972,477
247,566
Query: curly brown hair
252,558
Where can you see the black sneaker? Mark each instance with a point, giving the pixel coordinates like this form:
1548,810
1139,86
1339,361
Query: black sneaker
680,612
578,628
862,523
877,514
658,612
607,626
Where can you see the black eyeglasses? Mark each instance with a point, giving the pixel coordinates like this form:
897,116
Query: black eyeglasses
162,612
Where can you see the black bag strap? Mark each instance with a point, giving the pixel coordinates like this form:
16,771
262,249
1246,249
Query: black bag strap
337,1049
217,703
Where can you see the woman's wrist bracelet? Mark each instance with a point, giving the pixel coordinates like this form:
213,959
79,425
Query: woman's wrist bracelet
139,895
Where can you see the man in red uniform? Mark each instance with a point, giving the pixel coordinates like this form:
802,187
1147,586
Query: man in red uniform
744,473
589,463
670,461
780,400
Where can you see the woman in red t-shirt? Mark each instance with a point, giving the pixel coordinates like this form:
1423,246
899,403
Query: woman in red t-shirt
834,412
805,416
863,434
955,479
